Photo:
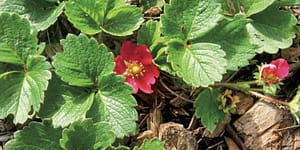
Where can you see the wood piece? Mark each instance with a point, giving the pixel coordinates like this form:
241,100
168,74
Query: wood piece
291,140
220,128
176,137
257,125
231,144
245,103
234,136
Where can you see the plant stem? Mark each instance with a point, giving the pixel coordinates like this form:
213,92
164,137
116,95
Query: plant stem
254,93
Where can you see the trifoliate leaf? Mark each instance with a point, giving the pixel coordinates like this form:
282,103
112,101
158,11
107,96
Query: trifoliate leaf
189,20
153,144
82,61
86,135
93,16
198,64
149,33
232,35
36,136
255,6
22,90
207,108
146,4
41,13
295,106
272,29
16,40
65,104
115,105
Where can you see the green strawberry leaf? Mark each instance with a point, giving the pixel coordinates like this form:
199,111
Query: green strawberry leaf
94,16
122,21
41,14
189,20
272,29
36,136
151,145
82,61
85,15
119,147
295,106
199,64
65,104
255,6
233,37
2,68
105,136
115,105
8,55
16,43
207,108
146,4
86,135
149,34
23,90
288,2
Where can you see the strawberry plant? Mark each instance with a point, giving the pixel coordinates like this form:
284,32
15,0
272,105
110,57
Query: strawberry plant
84,95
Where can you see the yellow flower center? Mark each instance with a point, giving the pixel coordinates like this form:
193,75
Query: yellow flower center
135,69
271,78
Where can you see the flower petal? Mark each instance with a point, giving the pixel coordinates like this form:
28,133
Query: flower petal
151,72
141,53
127,50
144,86
282,67
120,67
133,84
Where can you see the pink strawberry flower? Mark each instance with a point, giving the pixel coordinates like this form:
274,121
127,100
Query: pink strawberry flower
273,72
135,62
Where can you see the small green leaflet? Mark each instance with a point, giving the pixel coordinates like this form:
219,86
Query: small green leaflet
16,43
146,4
114,104
2,68
198,64
153,144
65,104
189,20
82,61
295,106
94,16
288,2
149,35
86,135
272,29
8,55
207,108
36,136
234,39
23,90
255,6
41,13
